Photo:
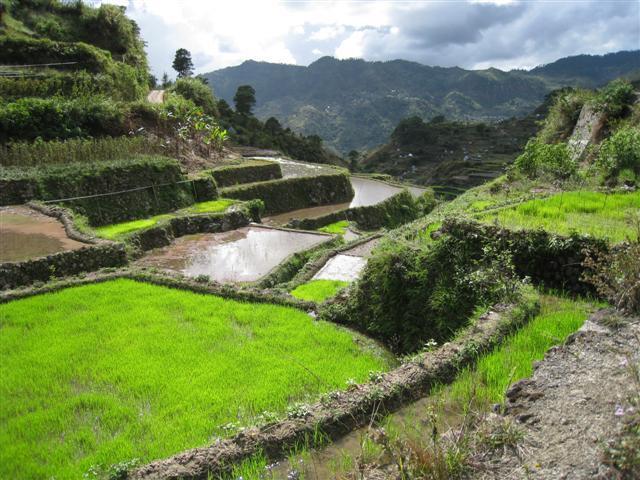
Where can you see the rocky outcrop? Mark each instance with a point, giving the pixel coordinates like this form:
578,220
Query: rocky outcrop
588,131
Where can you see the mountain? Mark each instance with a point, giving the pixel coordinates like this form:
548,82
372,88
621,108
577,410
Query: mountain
355,104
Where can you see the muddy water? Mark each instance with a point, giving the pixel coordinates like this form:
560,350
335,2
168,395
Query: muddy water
242,255
313,212
27,234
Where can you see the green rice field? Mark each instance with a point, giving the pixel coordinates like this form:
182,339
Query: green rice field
105,373
117,230
598,214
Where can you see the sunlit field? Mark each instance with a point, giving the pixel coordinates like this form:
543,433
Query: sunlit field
105,373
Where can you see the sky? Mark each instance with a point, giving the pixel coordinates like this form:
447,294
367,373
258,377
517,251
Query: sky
471,34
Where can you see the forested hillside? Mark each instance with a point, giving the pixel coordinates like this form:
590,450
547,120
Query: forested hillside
354,104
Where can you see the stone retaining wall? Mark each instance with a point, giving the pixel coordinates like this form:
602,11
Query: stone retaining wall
394,211
294,193
249,171
552,260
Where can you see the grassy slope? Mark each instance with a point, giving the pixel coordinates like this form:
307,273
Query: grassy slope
114,231
598,214
318,290
105,373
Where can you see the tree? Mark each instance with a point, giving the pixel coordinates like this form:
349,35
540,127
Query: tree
272,125
182,63
224,109
353,160
153,81
245,99
166,82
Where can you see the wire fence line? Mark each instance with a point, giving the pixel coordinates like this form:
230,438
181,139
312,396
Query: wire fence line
120,192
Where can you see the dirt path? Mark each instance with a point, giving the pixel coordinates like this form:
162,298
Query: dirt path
155,96
576,402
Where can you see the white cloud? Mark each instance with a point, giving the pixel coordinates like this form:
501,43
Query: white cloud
327,33
473,34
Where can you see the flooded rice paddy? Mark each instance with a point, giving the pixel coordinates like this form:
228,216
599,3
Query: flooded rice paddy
26,234
242,255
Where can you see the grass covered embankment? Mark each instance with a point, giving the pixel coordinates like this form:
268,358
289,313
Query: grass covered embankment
105,373
413,437
112,232
598,214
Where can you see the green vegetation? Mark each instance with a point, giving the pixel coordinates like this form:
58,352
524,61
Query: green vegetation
541,158
337,228
411,293
598,214
488,381
77,150
318,290
105,366
112,232
118,230
449,153
619,156
193,89
212,206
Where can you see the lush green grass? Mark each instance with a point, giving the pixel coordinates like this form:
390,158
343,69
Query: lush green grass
489,380
318,290
116,230
337,228
211,206
598,214
108,372
119,229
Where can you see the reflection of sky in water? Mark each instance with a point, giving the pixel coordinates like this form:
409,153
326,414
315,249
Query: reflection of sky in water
342,267
240,256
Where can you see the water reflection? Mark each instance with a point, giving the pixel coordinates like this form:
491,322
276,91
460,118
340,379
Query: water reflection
242,255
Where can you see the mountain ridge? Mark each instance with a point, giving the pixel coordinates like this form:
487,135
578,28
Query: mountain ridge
334,98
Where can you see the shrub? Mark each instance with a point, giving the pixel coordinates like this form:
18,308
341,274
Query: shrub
542,159
412,293
57,118
615,99
563,115
199,93
619,152
76,150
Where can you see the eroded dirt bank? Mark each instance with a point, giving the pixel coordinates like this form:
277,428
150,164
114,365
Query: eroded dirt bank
575,406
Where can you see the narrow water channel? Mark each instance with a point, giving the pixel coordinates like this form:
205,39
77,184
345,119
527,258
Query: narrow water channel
242,255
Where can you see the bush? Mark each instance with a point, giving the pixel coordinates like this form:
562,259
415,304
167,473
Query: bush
199,93
563,115
619,152
542,159
615,99
57,118
411,293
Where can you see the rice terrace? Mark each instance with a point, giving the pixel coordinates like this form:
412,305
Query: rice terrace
248,260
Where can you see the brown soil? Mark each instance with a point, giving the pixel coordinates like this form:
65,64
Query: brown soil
576,402
26,234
